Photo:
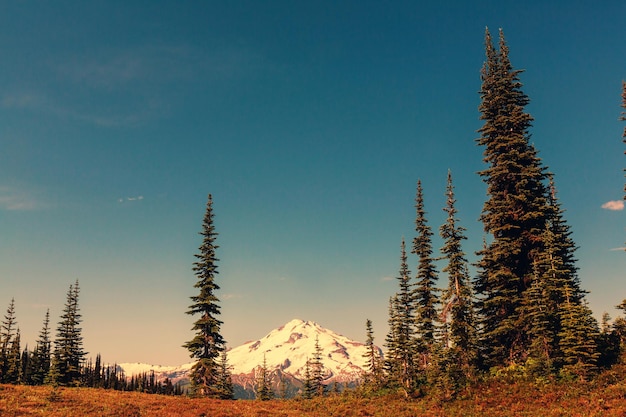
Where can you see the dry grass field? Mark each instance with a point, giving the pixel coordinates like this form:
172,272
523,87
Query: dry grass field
601,398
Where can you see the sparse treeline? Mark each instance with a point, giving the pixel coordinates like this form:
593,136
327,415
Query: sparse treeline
524,313
61,362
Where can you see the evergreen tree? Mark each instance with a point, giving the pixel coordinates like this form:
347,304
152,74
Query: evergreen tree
619,329
446,376
373,374
623,118
152,385
425,293
53,377
282,387
608,343
68,347
542,327
40,361
483,305
579,333
14,361
461,341
542,304
168,387
317,370
555,289
308,390
393,358
515,212
264,383
92,373
225,387
405,328
25,367
562,247
208,343
97,373
7,333
605,324
86,373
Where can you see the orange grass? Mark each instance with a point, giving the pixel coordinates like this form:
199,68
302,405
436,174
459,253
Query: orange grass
492,399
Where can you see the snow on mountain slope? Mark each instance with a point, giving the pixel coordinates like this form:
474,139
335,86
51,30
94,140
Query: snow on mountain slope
288,348
174,373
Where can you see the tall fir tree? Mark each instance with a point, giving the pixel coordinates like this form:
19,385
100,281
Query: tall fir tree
208,343
7,334
457,300
515,212
623,118
68,344
425,291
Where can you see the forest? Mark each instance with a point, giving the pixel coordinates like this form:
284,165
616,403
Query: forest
522,317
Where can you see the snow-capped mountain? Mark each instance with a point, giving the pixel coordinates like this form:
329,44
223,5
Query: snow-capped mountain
286,351
291,345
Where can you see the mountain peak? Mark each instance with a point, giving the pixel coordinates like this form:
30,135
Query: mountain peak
298,324
290,346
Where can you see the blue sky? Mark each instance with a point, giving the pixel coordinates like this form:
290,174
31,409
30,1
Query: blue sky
309,122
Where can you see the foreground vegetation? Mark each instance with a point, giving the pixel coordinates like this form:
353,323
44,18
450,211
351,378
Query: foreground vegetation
605,396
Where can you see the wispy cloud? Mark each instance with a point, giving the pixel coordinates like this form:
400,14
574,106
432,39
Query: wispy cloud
12,199
107,71
23,100
618,249
386,279
124,68
130,199
100,117
614,205
230,296
128,87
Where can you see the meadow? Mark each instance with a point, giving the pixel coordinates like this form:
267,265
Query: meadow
604,396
